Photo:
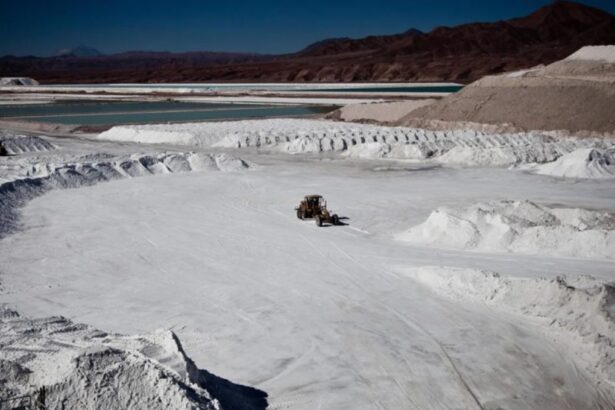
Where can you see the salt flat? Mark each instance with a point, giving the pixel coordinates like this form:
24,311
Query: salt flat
316,317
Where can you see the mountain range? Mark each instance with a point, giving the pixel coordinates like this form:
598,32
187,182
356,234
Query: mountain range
79,51
461,53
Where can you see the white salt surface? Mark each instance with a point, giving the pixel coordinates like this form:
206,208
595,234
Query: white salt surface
315,317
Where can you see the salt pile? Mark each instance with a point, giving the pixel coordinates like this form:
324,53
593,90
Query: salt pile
20,144
294,136
519,227
81,367
19,81
579,312
581,163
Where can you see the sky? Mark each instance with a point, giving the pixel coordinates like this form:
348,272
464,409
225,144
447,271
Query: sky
42,27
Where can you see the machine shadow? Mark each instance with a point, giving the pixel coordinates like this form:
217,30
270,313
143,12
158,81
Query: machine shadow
340,222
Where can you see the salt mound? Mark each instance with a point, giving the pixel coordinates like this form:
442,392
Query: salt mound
301,145
223,162
594,53
579,313
581,163
519,227
81,367
21,144
370,150
12,81
149,134
378,150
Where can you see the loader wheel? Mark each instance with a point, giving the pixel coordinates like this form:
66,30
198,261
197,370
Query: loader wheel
335,219
299,214
318,220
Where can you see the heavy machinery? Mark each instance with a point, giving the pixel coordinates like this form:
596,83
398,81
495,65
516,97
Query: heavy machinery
314,206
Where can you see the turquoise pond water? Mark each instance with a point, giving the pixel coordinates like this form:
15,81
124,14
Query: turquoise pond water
111,113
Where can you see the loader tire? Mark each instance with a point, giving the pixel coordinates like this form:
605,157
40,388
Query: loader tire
318,220
335,219
299,214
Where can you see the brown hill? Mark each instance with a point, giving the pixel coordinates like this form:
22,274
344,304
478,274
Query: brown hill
460,53
575,96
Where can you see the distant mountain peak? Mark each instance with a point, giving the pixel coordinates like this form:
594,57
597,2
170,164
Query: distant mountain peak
562,12
331,46
324,43
412,32
79,51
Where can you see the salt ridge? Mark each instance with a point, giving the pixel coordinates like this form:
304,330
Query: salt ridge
295,136
21,144
518,227
578,312
27,182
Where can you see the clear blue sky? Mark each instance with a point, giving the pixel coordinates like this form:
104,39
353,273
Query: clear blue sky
44,26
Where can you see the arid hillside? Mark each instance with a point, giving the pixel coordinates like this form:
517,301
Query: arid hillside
574,95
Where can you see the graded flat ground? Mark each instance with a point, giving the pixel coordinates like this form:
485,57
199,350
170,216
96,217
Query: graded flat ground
316,317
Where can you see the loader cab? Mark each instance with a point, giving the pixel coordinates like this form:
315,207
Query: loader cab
314,201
